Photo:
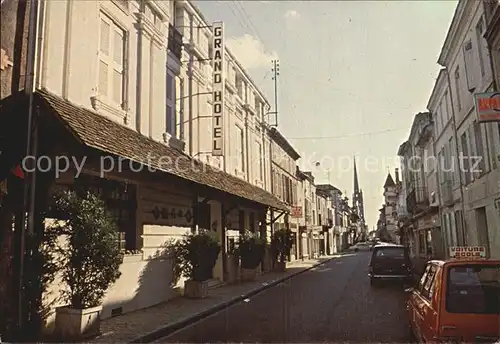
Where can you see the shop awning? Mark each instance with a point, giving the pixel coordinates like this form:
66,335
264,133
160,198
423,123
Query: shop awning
98,132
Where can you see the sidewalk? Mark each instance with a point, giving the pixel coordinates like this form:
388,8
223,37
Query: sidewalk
155,322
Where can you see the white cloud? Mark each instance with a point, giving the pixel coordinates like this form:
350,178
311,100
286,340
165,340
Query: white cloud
292,14
250,51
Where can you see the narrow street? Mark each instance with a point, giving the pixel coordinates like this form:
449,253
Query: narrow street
331,303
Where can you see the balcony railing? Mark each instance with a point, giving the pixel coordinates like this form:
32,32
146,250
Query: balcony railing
175,41
417,200
446,192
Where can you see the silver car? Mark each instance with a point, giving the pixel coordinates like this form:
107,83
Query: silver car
360,246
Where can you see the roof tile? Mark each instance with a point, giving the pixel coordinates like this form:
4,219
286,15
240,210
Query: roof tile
99,132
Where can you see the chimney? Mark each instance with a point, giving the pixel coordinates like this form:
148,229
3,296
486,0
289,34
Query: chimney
396,173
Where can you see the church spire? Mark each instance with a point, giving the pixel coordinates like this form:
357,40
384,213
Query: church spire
356,183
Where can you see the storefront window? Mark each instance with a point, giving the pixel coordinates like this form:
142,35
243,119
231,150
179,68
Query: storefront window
120,202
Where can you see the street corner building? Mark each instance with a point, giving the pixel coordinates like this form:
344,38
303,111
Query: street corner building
115,113
450,193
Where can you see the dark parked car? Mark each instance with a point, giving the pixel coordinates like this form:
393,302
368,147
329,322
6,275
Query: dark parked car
390,262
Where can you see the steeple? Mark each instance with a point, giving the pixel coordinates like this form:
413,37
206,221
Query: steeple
389,182
356,183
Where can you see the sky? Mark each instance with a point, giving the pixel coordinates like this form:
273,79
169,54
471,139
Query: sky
352,75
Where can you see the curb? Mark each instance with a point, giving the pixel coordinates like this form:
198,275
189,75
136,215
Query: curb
171,328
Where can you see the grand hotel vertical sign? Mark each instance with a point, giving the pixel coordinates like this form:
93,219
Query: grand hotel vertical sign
218,89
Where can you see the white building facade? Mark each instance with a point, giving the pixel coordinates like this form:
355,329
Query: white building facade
467,60
246,143
115,74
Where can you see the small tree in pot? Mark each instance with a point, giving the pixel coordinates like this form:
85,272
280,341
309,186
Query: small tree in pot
281,245
252,250
196,256
91,260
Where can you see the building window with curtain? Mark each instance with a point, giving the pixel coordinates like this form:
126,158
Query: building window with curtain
240,149
171,118
260,163
458,89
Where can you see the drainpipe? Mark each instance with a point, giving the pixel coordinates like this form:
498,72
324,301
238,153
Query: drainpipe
457,138
271,178
246,148
29,186
67,49
190,88
440,210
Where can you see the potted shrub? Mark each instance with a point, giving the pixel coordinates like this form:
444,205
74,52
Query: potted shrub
252,249
281,244
90,263
196,256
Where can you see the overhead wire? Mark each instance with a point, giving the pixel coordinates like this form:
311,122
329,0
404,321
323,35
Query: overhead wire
246,22
346,136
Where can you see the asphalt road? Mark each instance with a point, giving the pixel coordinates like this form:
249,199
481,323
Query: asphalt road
331,303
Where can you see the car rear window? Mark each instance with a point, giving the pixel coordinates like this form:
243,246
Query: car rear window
473,289
390,252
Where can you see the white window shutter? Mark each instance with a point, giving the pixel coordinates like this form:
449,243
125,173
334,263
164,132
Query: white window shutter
469,66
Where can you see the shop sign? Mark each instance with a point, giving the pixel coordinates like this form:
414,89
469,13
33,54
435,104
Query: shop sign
173,215
487,106
296,211
467,252
218,87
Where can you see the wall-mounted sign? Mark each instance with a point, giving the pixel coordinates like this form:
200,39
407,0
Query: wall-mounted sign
218,89
467,252
296,211
487,106
175,216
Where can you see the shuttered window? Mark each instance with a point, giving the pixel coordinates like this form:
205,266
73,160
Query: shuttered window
112,46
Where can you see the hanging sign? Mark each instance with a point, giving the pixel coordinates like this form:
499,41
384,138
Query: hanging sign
487,106
296,211
218,88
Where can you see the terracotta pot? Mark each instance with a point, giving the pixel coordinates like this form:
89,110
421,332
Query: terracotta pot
195,289
280,267
77,324
231,275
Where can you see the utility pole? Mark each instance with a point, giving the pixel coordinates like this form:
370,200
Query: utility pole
276,73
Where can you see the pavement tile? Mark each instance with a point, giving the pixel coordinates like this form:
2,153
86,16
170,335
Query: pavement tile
127,327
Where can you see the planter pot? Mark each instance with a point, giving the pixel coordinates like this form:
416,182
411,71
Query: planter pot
268,261
232,270
280,267
77,324
248,274
195,289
